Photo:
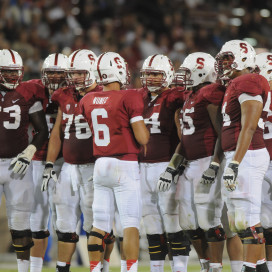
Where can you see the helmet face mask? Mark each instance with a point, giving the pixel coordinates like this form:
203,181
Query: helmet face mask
80,79
225,65
53,71
183,77
154,66
80,73
111,67
53,80
11,68
153,80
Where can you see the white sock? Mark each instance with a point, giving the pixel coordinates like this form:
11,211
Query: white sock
96,267
133,267
123,266
180,263
218,266
36,264
269,265
61,263
23,265
157,266
252,265
261,261
236,266
106,266
204,264
172,265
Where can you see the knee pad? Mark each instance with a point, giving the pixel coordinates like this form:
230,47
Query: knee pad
268,236
215,235
109,238
250,235
40,234
26,240
179,243
157,246
96,247
196,234
68,237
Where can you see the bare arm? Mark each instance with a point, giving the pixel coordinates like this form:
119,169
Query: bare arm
177,122
55,141
251,112
216,119
141,132
40,126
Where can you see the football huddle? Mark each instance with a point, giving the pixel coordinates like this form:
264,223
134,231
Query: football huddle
188,154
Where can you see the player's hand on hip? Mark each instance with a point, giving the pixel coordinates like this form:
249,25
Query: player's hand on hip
209,175
230,175
20,163
48,173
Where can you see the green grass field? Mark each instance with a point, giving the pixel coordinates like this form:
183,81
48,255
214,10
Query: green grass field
191,268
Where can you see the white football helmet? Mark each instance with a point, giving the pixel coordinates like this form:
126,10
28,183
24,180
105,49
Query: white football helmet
235,55
197,68
81,61
157,64
111,67
264,65
53,71
11,68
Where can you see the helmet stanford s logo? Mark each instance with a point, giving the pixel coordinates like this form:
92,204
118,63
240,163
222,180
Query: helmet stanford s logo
118,62
200,61
92,58
244,47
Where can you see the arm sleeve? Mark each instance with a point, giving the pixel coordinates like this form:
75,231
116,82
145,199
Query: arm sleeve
37,106
134,105
246,97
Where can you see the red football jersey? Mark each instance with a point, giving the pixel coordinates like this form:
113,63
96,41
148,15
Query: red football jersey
251,84
51,110
198,135
159,117
268,128
77,137
14,117
109,115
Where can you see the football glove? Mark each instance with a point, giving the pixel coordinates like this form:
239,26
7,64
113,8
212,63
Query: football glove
175,168
230,175
20,163
209,175
48,173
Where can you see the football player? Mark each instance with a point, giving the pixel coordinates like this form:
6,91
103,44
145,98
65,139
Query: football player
115,118
74,191
53,78
245,107
264,66
160,209
20,105
199,205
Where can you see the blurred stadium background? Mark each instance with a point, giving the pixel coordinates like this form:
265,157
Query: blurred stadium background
133,28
